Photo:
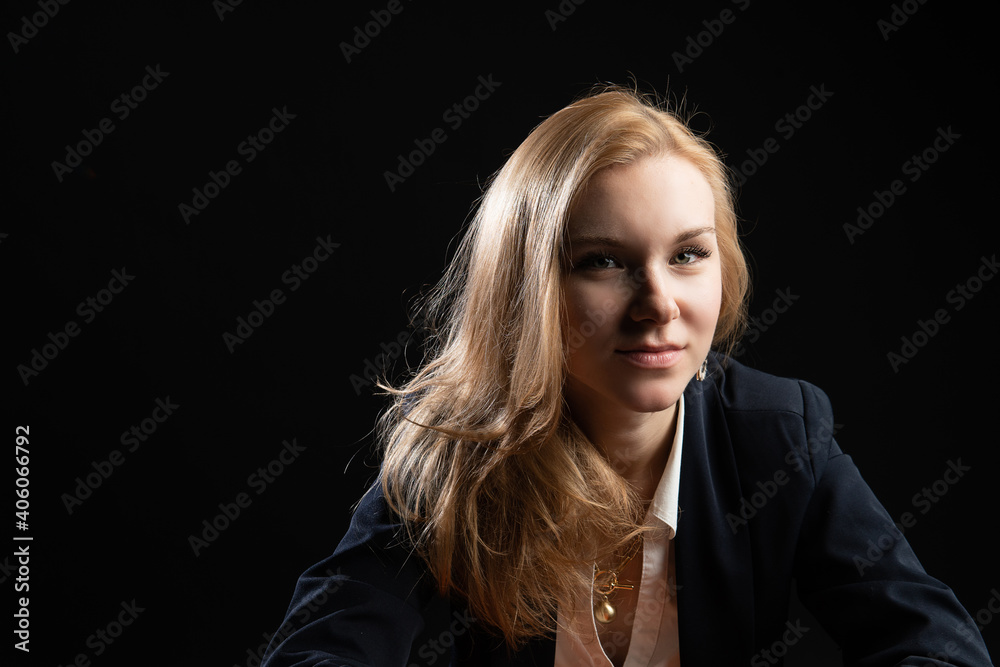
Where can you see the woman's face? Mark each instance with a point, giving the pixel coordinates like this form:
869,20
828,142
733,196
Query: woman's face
645,285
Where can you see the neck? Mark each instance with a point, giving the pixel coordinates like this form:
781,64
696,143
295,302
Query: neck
636,444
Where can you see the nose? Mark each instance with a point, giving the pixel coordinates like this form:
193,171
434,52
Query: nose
653,299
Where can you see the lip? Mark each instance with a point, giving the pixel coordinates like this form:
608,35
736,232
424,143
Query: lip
653,356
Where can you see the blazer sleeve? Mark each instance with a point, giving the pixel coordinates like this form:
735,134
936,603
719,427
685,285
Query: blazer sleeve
858,575
363,606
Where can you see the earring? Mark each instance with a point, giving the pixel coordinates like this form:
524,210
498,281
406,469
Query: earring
702,372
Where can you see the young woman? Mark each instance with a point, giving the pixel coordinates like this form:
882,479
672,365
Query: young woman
565,479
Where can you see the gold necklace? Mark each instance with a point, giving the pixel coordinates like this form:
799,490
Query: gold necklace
606,583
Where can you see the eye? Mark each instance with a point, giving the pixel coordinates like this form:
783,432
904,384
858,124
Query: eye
691,254
597,260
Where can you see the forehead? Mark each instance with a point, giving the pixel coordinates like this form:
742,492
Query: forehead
661,192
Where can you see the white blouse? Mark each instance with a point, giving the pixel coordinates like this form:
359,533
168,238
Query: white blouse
654,641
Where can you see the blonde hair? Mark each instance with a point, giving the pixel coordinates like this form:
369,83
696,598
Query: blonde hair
504,498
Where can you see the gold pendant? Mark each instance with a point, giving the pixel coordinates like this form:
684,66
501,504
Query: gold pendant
604,611
606,583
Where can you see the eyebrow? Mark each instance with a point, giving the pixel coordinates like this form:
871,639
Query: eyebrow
612,242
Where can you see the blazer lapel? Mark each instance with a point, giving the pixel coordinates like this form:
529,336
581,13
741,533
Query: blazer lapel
715,591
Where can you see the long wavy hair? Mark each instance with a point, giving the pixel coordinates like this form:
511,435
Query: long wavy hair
504,498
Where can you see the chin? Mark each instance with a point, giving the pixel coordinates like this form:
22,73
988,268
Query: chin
653,400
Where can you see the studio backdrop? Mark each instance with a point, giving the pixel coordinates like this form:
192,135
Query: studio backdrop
219,214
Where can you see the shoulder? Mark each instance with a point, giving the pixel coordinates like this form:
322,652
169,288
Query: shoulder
770,422
374,525
743,389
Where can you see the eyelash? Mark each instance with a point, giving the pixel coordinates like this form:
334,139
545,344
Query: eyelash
700,251
588,261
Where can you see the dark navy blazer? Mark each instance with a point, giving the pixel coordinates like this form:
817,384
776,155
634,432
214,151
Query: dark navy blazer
766,495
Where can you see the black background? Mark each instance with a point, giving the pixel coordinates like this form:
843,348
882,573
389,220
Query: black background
323,176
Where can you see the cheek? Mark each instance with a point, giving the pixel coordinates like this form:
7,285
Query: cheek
591,311
710,304
704,304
